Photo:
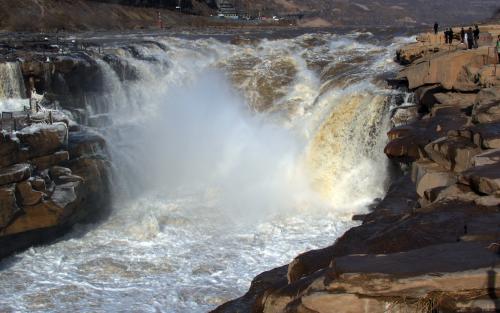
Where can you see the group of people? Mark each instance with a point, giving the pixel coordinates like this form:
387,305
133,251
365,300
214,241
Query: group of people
468,37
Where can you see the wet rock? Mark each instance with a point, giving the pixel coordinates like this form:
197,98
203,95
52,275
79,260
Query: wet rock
15,173
404,115
453,153
43,139
122,68
8,205
64,194
44,162
57,171
428,175
38,184
39,216
401,199
100,120
85,143
26,195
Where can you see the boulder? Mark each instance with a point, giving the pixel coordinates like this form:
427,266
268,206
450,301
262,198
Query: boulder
425,97
446,69
38,184
459,272
45,162
487,106
486,135
15,173
453,153
484,179
8,205
64,194
85,143
453,192
44,139
488,75
456,99
487,157
42,215
8,150
404,114
493,200
26,195
428,175
57,171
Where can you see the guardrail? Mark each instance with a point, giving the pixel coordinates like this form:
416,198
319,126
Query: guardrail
14,121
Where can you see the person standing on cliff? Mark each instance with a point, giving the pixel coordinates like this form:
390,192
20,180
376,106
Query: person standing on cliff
470,38
462,35
476,36
436,28
446,36
450,35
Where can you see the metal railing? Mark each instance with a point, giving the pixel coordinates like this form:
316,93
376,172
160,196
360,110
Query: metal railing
14,121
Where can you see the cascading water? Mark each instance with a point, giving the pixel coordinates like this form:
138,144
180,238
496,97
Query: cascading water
12,90
229,160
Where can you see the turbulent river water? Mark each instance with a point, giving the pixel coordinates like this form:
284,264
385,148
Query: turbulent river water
229,160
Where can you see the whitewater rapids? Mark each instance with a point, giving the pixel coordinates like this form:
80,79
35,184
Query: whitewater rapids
229,160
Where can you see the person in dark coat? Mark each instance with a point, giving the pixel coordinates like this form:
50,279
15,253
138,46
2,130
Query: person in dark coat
462,35
470,38
446,36
436,28
450,35
476,36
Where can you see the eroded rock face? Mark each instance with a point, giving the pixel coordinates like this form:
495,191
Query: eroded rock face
433,240
45,196
15,173
42,139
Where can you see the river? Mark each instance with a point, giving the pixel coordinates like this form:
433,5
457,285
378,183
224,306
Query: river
228,160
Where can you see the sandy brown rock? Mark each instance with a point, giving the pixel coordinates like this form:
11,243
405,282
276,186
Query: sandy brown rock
44,162
491,156
429,175
484,179
446,69
44,139
453,153
486,135
26,195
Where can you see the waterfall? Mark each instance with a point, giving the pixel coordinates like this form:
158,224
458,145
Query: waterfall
12,89
229,160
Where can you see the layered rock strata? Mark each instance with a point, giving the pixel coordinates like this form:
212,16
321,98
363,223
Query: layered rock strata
50,179
54,172
433,243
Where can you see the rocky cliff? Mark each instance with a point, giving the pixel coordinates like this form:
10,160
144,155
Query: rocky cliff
54,168
432,244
